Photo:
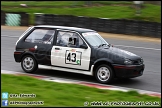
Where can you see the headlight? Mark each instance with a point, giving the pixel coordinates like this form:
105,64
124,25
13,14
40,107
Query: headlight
127,61
142,61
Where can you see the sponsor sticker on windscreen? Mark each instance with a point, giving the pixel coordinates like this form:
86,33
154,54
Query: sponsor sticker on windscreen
89,34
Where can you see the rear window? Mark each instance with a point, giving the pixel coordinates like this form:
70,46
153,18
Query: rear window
41,36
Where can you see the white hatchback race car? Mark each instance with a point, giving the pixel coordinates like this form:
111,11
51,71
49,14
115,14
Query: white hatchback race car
77,50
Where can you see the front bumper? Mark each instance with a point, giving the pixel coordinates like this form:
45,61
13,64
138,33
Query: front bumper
128,71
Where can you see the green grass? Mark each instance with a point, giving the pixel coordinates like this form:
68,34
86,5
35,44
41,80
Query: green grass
60,3
59,94
108,10
40,3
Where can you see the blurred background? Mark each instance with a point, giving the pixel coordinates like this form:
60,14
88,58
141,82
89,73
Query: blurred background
123,17
109,18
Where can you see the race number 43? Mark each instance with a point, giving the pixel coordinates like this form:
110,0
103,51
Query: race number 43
73,57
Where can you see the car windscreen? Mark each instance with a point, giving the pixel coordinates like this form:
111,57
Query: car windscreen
94,39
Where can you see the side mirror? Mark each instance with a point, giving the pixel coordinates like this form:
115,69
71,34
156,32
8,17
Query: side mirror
83,46
112,45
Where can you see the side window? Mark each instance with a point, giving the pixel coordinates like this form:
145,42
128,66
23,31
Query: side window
80,41
63,38
44,36
68,39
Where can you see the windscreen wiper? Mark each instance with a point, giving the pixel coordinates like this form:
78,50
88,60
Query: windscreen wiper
102,45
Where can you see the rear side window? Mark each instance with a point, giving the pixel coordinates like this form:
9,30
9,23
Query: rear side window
44,36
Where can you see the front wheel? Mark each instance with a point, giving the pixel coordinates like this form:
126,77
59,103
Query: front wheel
104,74
28,64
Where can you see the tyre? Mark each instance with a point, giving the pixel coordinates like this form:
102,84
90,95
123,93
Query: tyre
29,64
104,74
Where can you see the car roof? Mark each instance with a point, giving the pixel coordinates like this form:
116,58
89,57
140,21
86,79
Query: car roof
67,28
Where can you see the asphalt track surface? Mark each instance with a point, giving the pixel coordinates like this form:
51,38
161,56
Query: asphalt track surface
150,51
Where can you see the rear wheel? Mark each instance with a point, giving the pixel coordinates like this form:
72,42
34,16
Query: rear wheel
29,64
104,74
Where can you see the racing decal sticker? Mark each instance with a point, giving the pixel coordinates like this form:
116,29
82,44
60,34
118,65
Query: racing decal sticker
89,34
73,50
73,57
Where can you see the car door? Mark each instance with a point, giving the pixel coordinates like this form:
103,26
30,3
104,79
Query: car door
68,53
40,42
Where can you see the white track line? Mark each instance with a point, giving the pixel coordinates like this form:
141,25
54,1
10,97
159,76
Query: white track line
9,36
139,47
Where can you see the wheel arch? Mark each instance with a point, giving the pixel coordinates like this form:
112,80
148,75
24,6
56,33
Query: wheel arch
103,61
29,53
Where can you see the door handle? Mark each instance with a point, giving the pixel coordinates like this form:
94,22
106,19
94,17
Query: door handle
57,48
